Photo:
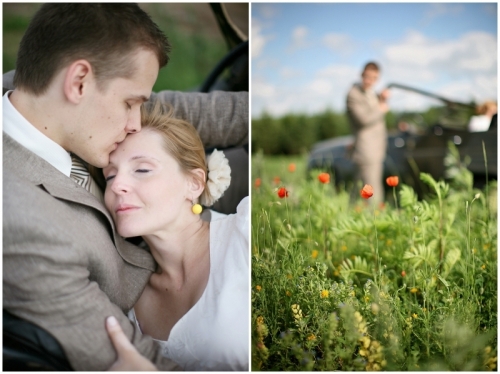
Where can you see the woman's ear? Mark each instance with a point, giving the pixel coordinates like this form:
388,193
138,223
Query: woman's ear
78,76
197,182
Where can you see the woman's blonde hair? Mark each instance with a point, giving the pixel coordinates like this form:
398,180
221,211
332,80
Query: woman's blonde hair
181,140
483,109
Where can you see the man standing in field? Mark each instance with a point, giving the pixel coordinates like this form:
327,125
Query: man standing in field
366,111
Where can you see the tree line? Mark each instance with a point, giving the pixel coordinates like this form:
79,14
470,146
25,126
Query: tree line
293,134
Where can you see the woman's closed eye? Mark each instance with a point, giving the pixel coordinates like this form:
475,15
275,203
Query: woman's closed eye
142,171
109,177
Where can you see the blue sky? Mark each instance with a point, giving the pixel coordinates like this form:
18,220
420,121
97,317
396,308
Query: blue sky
306,56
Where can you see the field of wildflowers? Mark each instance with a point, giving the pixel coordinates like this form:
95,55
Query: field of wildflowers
340,285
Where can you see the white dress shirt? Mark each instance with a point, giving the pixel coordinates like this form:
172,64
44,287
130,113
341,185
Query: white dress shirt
23,132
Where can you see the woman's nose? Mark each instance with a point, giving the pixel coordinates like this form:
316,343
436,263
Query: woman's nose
119,185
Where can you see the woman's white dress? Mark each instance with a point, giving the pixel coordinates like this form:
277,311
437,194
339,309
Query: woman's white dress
214,333
479,123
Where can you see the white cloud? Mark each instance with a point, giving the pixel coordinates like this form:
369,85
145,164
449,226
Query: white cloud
463,69
266,10
324,89
320,86
258,40
288,73
339,43
261,89
299,38
441,9
479,50
474,51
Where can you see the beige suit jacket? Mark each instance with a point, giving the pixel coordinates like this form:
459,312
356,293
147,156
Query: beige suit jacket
64,267
368,126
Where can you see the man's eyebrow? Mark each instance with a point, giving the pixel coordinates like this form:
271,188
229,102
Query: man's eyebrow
139,98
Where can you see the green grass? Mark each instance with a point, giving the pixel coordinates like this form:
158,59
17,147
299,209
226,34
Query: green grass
342,286
197,45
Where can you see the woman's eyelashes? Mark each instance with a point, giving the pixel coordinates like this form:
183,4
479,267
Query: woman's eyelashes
141,171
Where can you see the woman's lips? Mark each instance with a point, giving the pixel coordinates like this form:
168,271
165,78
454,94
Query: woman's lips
125,208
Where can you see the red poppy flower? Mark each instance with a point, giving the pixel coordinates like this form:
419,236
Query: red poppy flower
392,181
403,273
291,167
367,191
324,178
276,180
258,182
282,192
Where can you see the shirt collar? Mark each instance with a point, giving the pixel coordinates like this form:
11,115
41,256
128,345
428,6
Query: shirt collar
22,131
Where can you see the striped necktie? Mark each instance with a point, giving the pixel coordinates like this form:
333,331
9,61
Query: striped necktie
79,173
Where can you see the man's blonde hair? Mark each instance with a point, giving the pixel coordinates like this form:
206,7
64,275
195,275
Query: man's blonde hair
180,139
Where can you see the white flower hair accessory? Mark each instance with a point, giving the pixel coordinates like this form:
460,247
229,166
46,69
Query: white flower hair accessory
219,177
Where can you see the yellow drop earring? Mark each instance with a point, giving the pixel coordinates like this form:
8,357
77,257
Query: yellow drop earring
196,208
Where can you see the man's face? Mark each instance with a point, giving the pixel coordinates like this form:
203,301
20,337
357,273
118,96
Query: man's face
108,115
369,78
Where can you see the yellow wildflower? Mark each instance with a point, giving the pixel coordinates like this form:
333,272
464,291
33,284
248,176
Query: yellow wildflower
483,266
288,293
297,312
336,273
311,337
289,276
260,320
365,340
344,248
375,308
388,242
324,294
415,315
424,310
314,253
414,290
258,288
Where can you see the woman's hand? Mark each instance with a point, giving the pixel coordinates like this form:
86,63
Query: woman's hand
128,357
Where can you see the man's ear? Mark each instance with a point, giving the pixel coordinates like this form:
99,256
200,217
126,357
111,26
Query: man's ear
78,76
196,182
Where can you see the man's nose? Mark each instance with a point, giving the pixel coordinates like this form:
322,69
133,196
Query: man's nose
134,120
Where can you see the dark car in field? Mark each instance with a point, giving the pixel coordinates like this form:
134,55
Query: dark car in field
418,147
